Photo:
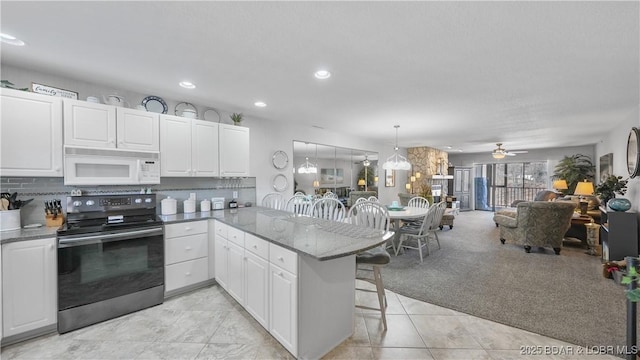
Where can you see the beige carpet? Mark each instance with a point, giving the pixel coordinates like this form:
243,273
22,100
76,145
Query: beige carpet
562,296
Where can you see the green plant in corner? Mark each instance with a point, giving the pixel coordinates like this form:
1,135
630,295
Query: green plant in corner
574,169
632,276
237,118
608,189
9,85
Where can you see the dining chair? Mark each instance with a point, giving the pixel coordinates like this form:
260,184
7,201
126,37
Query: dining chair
416,201
298,204
328,208
416,231
374,216
372,199
361,200
274,201
298,193
422,232
330,195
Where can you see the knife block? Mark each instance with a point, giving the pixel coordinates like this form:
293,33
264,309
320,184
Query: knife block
51,222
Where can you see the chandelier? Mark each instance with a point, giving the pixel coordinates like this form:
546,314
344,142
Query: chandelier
307,167
396,161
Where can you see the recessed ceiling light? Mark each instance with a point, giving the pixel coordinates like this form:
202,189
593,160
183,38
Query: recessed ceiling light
322,74
187,85
260,104
10,39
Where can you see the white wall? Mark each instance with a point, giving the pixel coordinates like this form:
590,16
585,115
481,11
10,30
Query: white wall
267,135
616,142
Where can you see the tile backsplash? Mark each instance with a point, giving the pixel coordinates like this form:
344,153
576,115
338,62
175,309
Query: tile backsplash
48,188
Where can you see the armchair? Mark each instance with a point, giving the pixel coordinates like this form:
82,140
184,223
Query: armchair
536,223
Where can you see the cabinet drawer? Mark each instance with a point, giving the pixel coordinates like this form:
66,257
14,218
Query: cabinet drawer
257,246
185,228
283,258
221,229
185,273
185,248
236,236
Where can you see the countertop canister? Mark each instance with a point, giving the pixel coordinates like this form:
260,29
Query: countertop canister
169,206
205,205
189,206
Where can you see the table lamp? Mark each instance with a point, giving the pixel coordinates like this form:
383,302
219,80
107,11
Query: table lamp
583,188
560,185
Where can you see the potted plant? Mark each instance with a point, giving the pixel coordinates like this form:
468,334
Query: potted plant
237,118
574,169
609,188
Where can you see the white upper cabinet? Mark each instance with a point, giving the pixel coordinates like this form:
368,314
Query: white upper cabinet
204,145
175,146
105,126
234,150
88,124
137,129
188,147
30,134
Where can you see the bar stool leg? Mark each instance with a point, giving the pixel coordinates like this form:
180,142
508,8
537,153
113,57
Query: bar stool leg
382,297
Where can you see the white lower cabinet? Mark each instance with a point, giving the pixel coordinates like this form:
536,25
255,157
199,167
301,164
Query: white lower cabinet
29,286
235,271
283,309
221,260
186,248
256,287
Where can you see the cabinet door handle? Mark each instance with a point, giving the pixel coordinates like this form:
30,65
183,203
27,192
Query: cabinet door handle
281,258
255,246
188,273
188,248
280,274
186,228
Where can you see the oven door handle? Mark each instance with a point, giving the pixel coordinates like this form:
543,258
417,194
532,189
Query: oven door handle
97,239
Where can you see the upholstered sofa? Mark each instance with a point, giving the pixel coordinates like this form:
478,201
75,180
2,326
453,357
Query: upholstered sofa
355,195
536,223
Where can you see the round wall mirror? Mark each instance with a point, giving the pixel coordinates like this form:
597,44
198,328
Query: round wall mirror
280,159
633,152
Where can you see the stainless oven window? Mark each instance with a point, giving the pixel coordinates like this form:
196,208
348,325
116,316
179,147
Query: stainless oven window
94,271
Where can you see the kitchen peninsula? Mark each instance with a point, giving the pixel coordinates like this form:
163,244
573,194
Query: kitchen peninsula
294,274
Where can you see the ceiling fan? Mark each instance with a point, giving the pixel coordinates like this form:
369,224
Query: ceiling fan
500,152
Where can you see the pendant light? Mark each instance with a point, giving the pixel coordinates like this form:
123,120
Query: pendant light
307,167
396,161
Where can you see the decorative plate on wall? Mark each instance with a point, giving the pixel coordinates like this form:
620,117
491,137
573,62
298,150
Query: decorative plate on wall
280,183
280,159
155,104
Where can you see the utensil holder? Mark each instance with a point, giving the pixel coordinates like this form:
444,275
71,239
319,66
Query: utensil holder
54,222
10,220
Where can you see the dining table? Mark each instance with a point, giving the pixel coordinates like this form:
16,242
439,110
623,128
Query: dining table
396,214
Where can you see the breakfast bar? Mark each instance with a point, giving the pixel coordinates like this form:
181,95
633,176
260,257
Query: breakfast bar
294,274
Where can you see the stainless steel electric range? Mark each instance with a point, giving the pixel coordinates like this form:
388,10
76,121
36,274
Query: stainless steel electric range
110,259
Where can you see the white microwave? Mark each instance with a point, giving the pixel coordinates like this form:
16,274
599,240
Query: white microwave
85,166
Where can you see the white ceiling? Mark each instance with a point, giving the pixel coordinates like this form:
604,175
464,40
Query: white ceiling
463,74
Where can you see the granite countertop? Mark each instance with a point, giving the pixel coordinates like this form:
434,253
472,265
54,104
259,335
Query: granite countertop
42,232
318,238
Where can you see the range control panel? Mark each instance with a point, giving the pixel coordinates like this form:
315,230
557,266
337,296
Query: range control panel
80,204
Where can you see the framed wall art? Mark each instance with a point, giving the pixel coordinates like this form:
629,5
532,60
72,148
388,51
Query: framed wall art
389,178
606,166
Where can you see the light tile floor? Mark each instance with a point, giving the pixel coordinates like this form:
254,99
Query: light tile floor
209,324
